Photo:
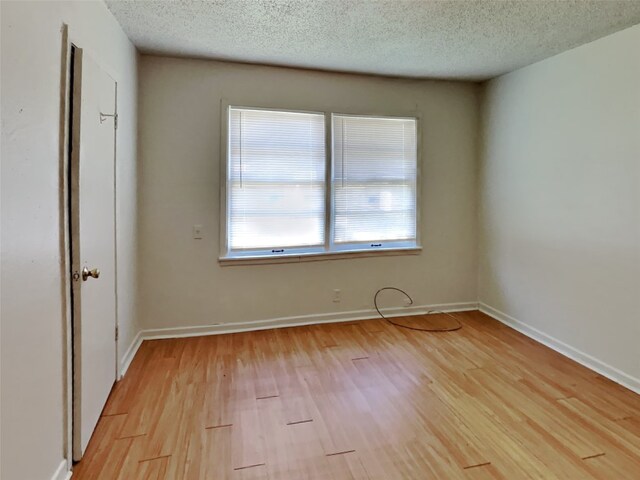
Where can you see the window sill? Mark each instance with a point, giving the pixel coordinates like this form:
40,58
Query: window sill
317,257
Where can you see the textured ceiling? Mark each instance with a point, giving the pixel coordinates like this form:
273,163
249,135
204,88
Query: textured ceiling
463,39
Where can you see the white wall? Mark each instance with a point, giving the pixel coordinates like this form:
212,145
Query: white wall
560,191
32,339
179,143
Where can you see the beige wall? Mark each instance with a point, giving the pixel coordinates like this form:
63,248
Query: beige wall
560,189
183,284
33,344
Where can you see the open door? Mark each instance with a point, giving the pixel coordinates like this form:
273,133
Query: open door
92,220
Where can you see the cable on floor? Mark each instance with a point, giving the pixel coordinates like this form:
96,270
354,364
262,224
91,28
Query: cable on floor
458,325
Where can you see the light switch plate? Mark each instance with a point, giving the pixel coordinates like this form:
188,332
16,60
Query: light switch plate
198,232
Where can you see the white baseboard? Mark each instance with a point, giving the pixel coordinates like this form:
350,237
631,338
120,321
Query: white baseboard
573,353
129,354
222,328
334,317
583,358
62,472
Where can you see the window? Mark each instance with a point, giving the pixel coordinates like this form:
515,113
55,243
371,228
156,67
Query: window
305,183
276,181
374,181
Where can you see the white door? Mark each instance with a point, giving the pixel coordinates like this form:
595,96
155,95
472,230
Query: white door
92,244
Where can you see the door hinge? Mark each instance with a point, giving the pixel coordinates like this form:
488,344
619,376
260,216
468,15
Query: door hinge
117,333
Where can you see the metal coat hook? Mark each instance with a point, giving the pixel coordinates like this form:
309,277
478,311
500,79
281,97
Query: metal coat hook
104,116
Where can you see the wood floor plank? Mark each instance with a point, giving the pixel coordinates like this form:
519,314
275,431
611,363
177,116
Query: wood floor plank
216,460
612,436
155,469
612,466
105,454
363,401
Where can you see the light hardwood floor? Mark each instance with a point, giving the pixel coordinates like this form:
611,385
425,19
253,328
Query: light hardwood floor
364,400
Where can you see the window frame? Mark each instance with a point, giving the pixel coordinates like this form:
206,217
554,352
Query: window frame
329,250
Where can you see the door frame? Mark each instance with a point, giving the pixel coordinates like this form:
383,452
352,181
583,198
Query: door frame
68,44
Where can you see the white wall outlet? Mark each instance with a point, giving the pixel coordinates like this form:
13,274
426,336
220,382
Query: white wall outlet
407,302
198,232
337,295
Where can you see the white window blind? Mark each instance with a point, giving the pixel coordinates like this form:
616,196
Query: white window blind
374,180
276,180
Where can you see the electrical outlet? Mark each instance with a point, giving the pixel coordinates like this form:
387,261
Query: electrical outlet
407,302
198,232
337,295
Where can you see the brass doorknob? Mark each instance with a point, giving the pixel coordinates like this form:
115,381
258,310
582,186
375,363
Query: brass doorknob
86,273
